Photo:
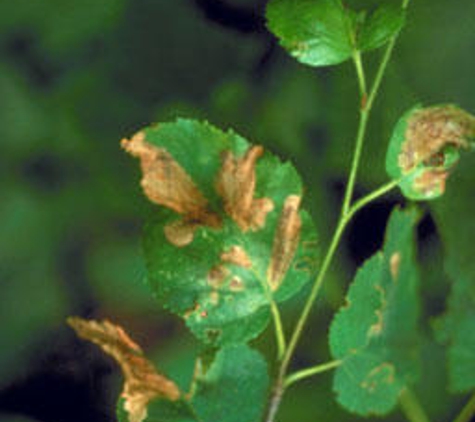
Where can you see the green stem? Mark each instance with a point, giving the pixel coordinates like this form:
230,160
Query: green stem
467,412
358,62
365,200
309,372
280,383
345,217
364,114
411,407
279,330
383,65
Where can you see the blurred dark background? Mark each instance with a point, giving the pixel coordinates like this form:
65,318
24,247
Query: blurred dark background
77,75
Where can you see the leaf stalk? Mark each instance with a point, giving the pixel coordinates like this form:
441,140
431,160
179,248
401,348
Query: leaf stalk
411,407
309,372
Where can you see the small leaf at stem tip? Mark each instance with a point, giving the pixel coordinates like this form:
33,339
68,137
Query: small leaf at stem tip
234,238
327,32
142,381
316,33
425,146
380,26
375,334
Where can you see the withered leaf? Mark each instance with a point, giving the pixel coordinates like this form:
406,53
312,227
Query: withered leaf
425,146
142,381
236,184
286,241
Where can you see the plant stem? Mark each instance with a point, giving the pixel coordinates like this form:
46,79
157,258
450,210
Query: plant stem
383,65
364,114
365,200
467,412
346,214
411,407
360,73
308,372
279,330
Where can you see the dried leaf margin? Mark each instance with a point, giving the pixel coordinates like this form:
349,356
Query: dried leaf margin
143,382
425,145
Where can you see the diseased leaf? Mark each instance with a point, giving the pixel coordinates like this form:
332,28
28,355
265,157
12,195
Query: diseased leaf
234,388
142,382
235,241
456,328
375,334
317,33
380,26
425,145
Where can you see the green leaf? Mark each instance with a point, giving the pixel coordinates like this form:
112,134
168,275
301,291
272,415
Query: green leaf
234,239
234,388
317,33
379,27
424,147
324,32
374,334
456,328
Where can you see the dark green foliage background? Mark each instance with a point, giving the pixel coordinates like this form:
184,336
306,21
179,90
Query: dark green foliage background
76,76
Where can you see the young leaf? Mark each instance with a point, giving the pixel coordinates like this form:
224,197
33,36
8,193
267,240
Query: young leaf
315,32
233,238
234,388
142,382
380,26
424,147
324,32
374,334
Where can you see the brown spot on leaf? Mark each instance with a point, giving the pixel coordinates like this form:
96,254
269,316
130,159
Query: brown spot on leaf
217,276
378,326
142,381
166,183
236,284
236,183
214,298
237,256
179,232
381,374
286,240
431,181
191,311
430,130
394,264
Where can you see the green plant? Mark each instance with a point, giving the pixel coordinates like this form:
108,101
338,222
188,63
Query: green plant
230,243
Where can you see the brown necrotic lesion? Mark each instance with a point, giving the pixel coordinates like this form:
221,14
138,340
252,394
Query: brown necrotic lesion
166,183
432,129
142,382
236,184
286,241
430,133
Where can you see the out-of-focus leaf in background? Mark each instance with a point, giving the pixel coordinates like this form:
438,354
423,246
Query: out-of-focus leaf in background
76,76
